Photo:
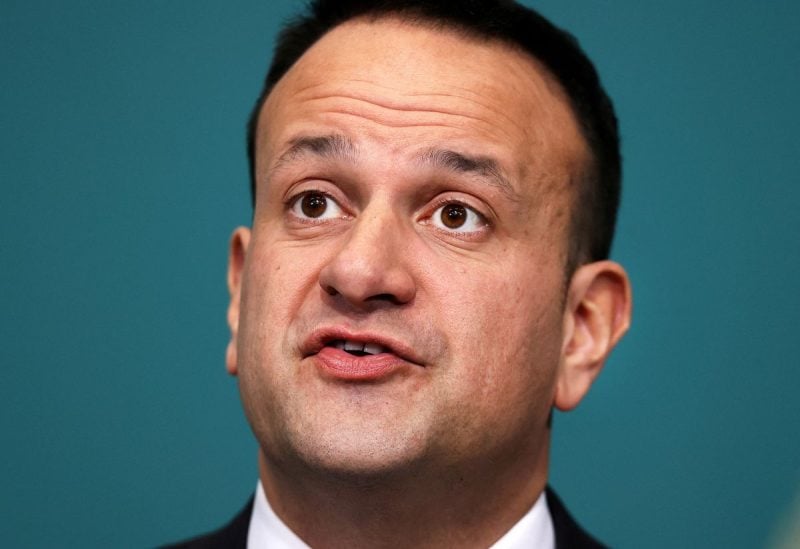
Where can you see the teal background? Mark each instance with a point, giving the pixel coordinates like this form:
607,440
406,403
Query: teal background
123,173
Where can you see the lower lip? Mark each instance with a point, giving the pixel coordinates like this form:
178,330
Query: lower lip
344,366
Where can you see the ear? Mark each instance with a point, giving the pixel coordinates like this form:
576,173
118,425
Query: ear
238,253
596,316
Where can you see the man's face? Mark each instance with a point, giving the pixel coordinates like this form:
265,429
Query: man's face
413,202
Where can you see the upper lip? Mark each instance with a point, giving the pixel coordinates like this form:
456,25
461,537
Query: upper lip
323,336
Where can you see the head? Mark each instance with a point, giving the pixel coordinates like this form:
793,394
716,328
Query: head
596,190
425,275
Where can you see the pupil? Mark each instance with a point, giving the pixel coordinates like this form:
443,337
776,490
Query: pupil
313,205
454,215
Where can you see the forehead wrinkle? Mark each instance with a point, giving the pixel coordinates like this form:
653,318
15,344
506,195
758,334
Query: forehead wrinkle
389,117
479,100
392,124
386,104
342,90
402,101
486,168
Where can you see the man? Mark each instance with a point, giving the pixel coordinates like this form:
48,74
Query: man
425,278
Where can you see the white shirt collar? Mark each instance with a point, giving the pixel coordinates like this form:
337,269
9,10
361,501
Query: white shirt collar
535,529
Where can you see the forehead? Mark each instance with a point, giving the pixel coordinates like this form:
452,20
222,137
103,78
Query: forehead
403,85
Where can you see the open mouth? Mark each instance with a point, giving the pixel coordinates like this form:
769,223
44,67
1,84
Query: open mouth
357,348
358,356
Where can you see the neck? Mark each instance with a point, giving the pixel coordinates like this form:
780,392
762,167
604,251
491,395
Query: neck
469,506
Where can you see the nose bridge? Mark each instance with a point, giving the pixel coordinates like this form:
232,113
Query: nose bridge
377,227
371,263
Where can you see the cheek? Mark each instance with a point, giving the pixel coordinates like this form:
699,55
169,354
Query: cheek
278,278
277,282
505,333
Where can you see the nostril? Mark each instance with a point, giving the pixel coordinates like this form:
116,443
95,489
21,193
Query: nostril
384,297
367,279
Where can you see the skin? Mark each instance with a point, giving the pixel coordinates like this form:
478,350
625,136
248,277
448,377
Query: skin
450,448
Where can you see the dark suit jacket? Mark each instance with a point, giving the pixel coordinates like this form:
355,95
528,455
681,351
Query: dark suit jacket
234,535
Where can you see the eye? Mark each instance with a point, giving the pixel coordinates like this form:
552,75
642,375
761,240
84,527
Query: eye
456,217
316,205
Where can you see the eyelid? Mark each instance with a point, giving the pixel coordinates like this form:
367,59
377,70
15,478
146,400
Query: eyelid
293,201
441,202
311,185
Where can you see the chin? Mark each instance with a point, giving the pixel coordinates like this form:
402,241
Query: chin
354,453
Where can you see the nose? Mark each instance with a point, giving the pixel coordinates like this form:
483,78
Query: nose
371,266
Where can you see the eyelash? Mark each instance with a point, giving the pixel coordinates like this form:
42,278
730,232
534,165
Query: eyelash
448,201
294,199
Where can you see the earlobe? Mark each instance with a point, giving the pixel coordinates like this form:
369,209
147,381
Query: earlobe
597,315
236,260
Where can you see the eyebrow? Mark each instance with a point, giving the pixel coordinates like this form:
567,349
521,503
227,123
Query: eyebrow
342,148
485,167
328,147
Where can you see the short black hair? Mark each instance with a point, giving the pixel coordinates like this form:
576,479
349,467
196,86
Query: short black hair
597,199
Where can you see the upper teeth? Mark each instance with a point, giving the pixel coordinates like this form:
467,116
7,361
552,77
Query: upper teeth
369,348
